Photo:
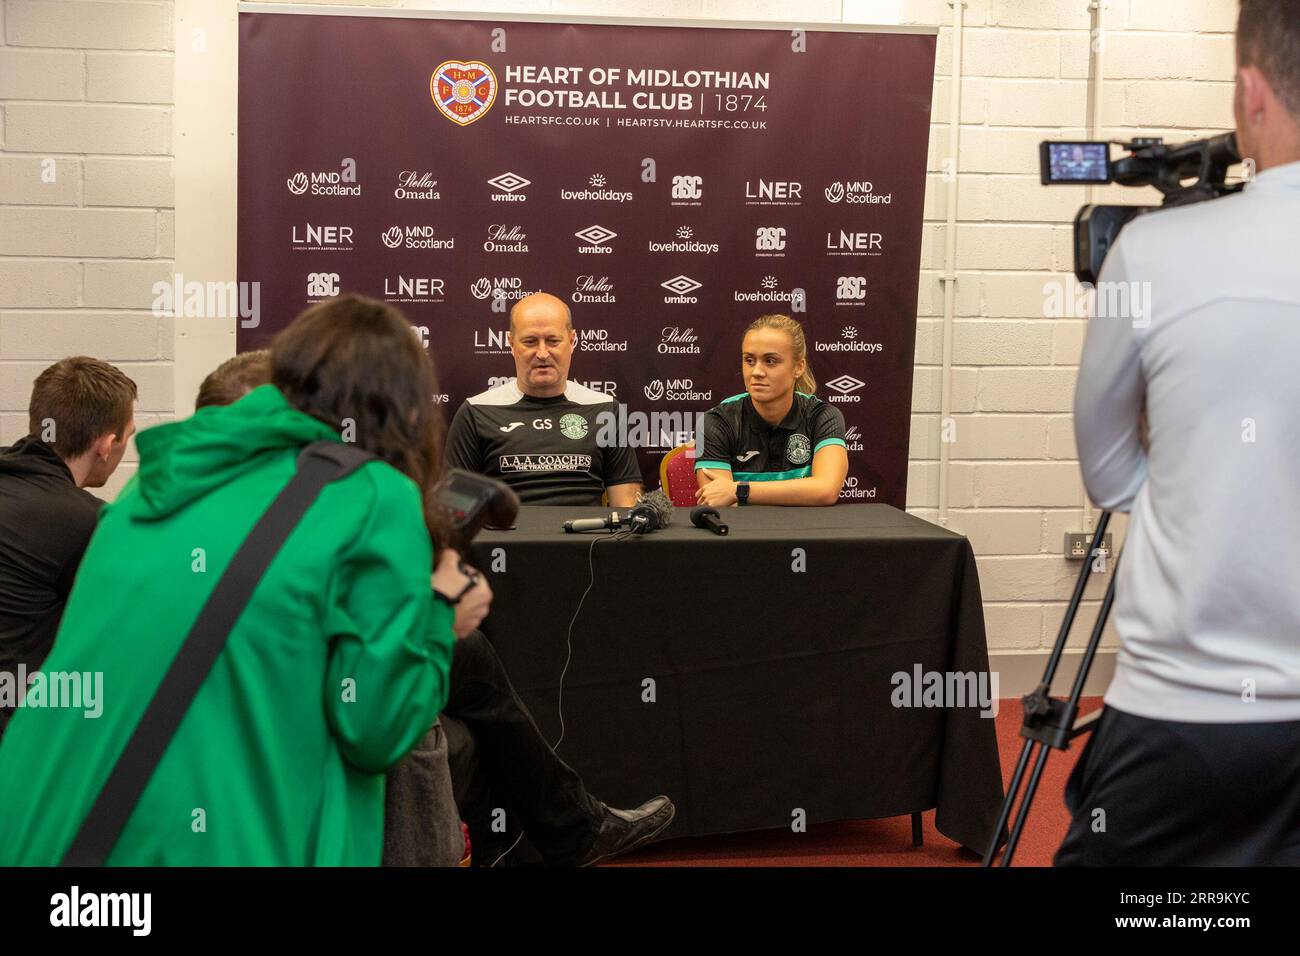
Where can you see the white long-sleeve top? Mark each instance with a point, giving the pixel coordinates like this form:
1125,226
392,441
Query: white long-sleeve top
1208,594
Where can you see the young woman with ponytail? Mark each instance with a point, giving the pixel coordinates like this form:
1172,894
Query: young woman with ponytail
775,443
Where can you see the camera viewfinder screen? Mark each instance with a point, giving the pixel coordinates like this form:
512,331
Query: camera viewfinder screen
1078,162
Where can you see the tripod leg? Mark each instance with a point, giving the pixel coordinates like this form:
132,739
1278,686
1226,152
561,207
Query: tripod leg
1009,802
1023,814
1038,705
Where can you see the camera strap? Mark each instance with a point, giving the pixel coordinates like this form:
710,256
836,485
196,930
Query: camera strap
318,464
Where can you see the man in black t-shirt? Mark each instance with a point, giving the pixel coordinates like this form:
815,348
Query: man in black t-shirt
81,416
538,432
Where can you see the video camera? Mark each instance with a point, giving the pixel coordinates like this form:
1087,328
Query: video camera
1150,162
473,502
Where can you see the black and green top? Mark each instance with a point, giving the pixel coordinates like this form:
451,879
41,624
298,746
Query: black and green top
551,451
736,438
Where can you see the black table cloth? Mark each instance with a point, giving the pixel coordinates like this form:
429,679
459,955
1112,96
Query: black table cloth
713,670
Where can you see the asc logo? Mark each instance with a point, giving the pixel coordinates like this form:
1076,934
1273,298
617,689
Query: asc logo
849,288
688,187
463,91
322,284
769,238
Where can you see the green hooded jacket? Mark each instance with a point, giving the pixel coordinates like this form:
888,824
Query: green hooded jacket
336,668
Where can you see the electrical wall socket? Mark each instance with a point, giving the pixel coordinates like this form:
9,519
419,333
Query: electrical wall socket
1077,543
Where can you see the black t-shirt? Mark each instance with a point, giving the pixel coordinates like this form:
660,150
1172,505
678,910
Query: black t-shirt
737,439
45,524
551,451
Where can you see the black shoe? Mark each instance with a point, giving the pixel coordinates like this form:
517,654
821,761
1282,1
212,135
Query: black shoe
624,830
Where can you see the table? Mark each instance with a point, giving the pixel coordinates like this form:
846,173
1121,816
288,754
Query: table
752,677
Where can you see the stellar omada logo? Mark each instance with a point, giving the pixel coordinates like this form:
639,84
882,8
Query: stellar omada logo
462,90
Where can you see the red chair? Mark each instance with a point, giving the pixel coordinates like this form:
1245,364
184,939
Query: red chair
677,475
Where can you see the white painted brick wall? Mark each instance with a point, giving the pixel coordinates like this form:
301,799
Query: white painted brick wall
1014,484
88,84
86,194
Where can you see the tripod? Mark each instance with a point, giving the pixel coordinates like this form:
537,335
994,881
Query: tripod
1050,723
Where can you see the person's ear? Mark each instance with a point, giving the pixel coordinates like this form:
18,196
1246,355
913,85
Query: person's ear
103,446
573,339
1255,93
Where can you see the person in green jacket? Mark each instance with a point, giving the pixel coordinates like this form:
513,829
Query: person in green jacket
335,669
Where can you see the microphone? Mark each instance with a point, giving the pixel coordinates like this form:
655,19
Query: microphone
607,523
704,517
653,511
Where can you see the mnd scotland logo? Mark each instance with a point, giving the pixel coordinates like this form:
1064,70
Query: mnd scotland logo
327,182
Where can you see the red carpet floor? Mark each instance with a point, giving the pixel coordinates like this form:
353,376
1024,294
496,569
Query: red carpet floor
888,842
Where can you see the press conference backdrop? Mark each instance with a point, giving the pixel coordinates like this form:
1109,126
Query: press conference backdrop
670,182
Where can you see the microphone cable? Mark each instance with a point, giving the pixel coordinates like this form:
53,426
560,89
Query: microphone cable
568,652
568,637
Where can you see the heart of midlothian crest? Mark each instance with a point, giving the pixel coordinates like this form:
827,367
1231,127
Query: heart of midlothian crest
463,91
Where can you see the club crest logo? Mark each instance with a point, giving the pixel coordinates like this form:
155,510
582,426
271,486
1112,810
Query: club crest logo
463,91
573,426
798,450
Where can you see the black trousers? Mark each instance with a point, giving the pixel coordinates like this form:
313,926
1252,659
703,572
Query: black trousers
1164,793
508,766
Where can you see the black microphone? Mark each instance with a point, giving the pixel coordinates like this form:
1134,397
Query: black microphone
653,511
607,523
705,517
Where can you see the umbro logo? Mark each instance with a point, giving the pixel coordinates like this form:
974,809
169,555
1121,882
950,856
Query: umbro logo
511,427
746,456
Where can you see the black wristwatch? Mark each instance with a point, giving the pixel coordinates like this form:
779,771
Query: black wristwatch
470,573
742,492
